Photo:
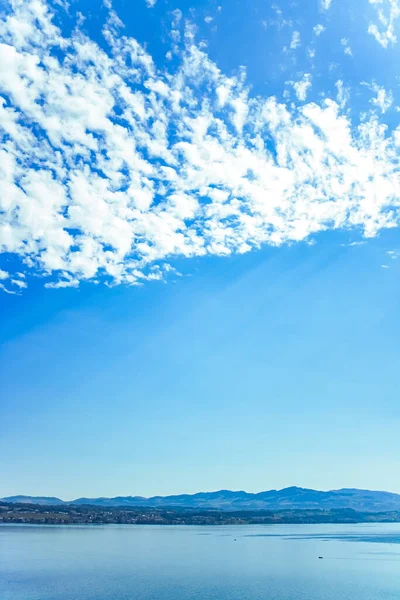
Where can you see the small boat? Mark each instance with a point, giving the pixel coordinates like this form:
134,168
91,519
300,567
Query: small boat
320,557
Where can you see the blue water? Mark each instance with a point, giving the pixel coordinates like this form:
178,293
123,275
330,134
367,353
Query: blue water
122,562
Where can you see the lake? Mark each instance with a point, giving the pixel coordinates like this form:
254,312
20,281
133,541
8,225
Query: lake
130,562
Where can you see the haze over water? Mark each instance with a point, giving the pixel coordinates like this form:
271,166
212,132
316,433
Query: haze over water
122,562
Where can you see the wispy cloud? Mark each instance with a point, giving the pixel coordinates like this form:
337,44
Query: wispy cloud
388,12
383,99
110,167
16,282
394,254
325,4
301,87
6,290
295,41
343,93
318,29
346,46
19,283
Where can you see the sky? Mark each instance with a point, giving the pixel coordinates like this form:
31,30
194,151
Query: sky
199,246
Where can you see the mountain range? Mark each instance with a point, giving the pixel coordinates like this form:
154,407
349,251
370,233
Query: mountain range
291,498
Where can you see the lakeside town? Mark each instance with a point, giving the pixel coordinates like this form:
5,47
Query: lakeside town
92,515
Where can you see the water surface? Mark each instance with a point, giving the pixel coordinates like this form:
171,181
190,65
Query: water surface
268,562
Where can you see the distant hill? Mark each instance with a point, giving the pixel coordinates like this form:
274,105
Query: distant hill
292,498
42,500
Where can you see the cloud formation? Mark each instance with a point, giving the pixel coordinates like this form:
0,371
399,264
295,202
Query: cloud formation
388,12
295,41
110,167
383,99
346,46
301,87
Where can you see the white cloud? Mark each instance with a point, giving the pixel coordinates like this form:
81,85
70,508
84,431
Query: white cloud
19,283
343,93
318,29
383,99
393,254
325,4
110,168
388,11
301,87
151,3
63,283
295,41
346,46
6,290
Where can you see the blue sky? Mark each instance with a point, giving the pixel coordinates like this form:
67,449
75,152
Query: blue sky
199,247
